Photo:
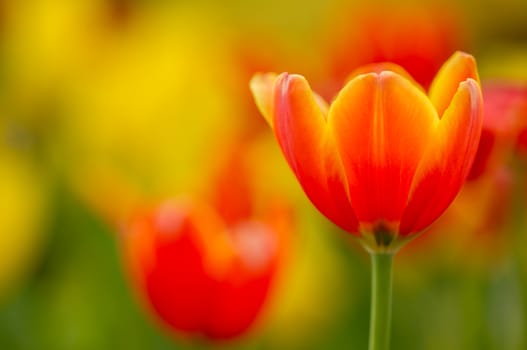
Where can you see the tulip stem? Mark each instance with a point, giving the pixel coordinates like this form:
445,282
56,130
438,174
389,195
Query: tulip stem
381,300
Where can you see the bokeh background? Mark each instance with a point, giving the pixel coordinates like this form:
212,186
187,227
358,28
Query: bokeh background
109,104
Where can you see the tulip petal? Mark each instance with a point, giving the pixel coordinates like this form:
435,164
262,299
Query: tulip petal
383,66
458,68
381,124
447,160
301,129
262,86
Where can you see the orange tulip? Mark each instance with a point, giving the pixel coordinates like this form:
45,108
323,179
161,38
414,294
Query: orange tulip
384,160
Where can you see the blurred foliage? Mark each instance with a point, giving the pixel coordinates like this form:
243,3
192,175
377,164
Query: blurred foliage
105,104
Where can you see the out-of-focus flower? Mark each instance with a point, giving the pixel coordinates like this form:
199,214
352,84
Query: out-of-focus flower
206,267
153,113
480,214
23,205
477,218
486,207
418,38
504,125
384,160
518,105
65,36
199,276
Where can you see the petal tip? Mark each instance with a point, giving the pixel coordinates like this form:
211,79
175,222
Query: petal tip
290,84
463,54
460,67
472,85
476,98
262,86
468,61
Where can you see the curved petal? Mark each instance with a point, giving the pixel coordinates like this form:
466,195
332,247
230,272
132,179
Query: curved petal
458,68
447,161
262,86
301,129
381,124
383,66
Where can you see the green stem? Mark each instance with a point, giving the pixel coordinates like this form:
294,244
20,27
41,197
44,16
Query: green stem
381,300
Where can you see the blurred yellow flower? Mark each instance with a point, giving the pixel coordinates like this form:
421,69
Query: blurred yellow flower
23,195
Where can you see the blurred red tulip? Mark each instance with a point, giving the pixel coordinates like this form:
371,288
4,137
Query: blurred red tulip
472,228
384,160
199,276
418,38
206,268
504,126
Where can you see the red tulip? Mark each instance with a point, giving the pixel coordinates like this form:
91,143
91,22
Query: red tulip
206,269
418,38
384,160
504,122
199,276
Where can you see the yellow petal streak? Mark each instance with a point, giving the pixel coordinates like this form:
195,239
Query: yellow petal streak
458,68
262,86
447,160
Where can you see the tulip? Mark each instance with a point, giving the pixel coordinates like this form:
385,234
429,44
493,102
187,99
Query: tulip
198,279
504,125
205,268
384,160
419,38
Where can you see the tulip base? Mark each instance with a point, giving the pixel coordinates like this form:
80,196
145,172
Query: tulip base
381,301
